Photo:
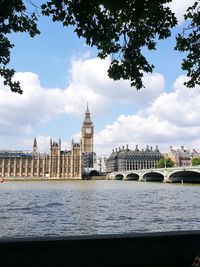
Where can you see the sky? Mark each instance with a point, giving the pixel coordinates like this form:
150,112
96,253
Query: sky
59,74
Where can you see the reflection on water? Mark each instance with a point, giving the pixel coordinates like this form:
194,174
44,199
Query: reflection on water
66,208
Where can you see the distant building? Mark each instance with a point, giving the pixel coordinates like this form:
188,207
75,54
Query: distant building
89,162
180,157
101,164
55,164
124,159
194,154
30,164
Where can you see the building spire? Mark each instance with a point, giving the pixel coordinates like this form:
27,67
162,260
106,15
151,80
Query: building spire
87,113
87,110
72,142
35,143
35,147
50,142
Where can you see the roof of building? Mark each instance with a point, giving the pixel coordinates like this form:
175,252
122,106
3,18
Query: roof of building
15,153
87,118
182,153
126,153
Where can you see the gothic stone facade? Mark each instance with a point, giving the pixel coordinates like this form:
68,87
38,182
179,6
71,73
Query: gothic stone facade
57,163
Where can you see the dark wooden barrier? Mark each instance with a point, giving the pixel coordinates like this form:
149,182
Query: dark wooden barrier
167,249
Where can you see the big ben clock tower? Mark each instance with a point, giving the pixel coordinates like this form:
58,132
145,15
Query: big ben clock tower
87,133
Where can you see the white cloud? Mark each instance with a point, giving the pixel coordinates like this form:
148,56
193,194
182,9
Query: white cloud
20,113
172,119
167,119
141,130
88,83
180,107
91,74
179,7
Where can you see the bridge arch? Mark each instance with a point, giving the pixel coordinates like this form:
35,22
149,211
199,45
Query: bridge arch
187,176
132,176
153,176
119,176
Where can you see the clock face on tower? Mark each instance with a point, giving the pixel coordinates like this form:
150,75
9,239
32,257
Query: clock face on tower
88,130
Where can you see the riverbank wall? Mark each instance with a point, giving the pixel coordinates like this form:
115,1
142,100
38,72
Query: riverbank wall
51,179
168,249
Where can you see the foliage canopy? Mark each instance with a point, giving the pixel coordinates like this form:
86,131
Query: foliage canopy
189,41
120,29
164,162
196,161
13,18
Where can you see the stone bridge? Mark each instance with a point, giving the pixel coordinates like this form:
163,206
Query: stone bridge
175,174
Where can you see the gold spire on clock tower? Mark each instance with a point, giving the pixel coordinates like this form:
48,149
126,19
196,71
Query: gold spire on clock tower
87,133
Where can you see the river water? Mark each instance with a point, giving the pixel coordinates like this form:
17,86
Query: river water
66,208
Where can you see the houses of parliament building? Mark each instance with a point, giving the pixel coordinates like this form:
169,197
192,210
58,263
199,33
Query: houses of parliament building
66,164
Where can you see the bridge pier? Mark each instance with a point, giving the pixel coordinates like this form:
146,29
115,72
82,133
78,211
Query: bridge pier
165,174
140,176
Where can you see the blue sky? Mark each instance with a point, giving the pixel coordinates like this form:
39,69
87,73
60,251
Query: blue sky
59,74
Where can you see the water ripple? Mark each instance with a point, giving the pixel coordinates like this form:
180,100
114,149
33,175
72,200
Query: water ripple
96,207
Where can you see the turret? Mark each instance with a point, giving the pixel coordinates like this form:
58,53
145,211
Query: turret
136,148
50,142
72,142
35,142
35,147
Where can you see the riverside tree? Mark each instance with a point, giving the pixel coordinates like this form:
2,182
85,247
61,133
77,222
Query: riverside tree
120,29
196,161
164,162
